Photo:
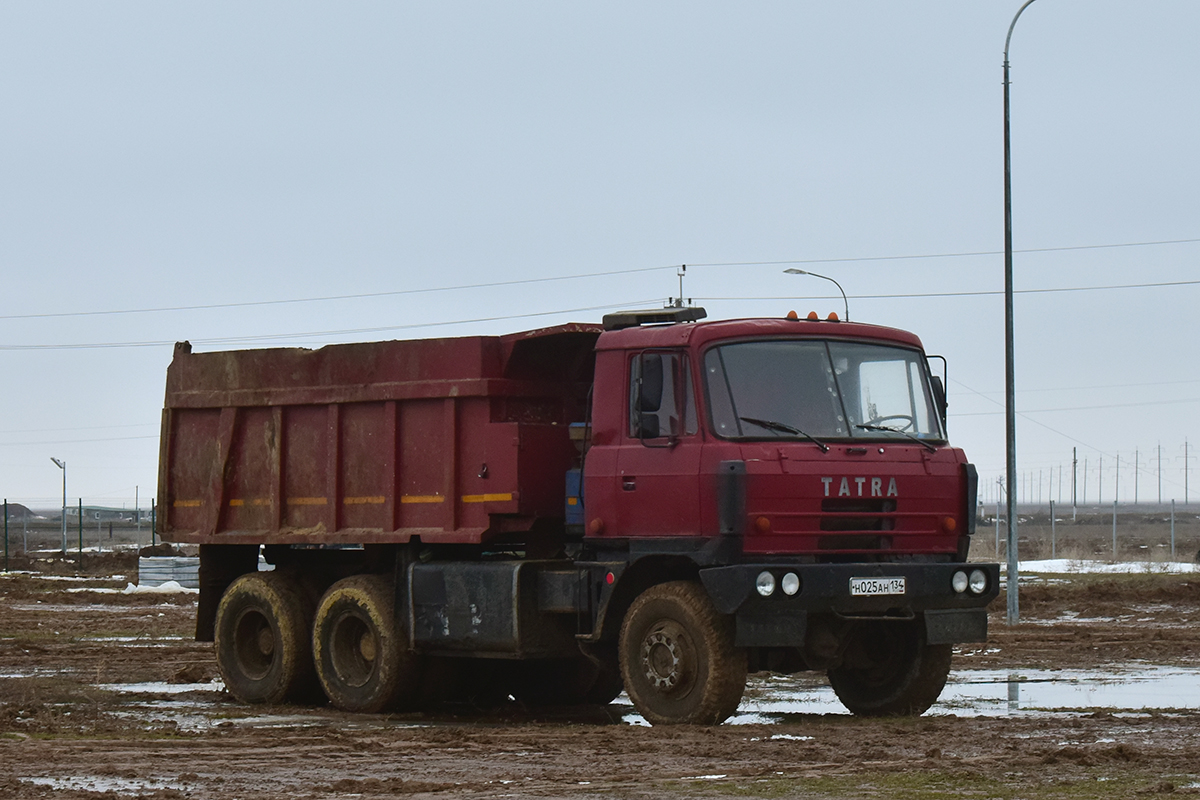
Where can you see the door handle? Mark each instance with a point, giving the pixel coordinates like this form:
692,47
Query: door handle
629,484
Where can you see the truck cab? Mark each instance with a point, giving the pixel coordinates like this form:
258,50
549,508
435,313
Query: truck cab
799,470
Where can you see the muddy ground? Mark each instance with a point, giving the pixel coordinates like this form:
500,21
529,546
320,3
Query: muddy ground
65,730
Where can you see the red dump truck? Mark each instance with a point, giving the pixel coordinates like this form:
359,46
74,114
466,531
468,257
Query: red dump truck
659,504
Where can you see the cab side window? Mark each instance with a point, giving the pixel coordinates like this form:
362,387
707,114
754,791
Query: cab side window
661,401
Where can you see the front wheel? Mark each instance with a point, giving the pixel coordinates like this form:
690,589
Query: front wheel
678,660
889,670
361,655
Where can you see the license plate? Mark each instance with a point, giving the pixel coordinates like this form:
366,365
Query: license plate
876,586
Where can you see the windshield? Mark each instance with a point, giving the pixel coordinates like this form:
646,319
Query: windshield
832,390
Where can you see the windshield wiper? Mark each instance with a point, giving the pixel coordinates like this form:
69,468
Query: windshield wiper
779,427
921,442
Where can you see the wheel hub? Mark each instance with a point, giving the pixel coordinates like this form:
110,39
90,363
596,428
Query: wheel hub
663,661
266,641
367,647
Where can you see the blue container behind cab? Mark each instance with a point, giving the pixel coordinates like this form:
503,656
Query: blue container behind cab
574,505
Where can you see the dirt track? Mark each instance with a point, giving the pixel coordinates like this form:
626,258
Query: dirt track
62,736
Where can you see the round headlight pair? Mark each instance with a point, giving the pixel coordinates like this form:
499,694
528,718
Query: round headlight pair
765,583
976,582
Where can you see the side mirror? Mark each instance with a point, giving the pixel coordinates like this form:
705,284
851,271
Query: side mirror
939,397
939,385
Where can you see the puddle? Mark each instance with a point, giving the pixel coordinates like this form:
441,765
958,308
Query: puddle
162,687
769,700
146,641
983,693
97,783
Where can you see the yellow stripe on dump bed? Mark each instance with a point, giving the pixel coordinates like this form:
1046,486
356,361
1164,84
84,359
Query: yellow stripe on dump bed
254,501
306,501
421,498
487,498
375,500
186,504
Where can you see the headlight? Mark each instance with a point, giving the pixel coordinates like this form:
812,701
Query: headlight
790,584
959,582
765,583
978,581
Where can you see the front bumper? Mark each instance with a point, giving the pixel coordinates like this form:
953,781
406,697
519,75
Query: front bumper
780,620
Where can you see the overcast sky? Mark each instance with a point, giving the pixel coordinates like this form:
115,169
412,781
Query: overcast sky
227,173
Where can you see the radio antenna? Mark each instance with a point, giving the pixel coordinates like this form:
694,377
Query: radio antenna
677,302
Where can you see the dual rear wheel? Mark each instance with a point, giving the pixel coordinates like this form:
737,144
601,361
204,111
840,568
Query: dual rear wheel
275,645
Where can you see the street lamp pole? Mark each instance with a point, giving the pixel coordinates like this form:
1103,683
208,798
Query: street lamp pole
845,302
1010,403
63,466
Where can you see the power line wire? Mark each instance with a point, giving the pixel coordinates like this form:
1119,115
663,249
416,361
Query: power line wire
278,337
609,273
941,255
78,441
363,296
986,293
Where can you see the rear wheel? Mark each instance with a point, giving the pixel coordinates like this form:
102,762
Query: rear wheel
889,670
361,655
262,639
678,661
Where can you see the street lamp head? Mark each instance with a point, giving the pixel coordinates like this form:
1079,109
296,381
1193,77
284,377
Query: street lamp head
846,302
59,464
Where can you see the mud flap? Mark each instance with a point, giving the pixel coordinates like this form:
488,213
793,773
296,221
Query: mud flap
955,625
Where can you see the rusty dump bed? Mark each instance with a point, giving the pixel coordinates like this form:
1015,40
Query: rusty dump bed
451,440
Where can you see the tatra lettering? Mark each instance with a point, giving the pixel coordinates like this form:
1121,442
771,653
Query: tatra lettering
860,482
892,492
876,487
826,482
844,489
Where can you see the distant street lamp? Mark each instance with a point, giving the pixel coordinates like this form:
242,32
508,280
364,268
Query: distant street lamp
794,271
1010,392
63,466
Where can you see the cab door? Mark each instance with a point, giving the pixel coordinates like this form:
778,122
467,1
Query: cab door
658,461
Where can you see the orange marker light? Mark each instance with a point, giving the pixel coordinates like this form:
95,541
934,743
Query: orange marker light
763,524
833,317
812,315
950,524
792,315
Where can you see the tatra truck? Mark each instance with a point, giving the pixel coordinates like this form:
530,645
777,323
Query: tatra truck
660,504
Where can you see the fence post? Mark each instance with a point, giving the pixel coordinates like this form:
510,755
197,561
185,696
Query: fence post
81,534
6,534
153,522
1114,530
1053,543
997,530
1172,530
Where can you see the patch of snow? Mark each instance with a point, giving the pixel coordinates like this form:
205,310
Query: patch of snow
170,587
1073,566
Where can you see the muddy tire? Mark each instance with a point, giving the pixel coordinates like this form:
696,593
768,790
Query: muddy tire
678,661
262,639
361,654
889,670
